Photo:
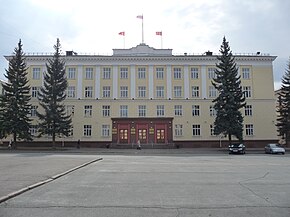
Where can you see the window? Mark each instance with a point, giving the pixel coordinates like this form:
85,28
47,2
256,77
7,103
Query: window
247,91
142,110
71,92
211,73
177,91
178,110
212,92
178,130
196,130
142,73
124,73
106,73
194,73
195,110
160,73
246,73
71,73
106,91
249,130
248,110
88,92
89,73
34,91
177,73
105,130
212,130
159,91
88,110
71,132
142,91
124,92
160,110
36,73
212,111
87,130
106,110
123,111
33,110
70,110
33,130
195,91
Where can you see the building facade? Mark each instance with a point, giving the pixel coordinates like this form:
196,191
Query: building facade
156,97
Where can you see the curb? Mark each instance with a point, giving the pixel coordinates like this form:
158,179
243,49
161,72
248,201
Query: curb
30,187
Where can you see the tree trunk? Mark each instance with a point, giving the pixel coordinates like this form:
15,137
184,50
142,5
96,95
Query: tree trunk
53,140
230,139
14,141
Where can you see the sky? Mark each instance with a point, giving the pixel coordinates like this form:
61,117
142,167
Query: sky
188,26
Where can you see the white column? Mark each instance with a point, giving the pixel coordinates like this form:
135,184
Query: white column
98,82
169,82
186,82
203,82
133,81
115,82
80,82
151,82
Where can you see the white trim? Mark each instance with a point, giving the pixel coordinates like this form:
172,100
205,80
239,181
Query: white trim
115,82
80,82
151,82
133,81
98,82
203,82
169,82
186,82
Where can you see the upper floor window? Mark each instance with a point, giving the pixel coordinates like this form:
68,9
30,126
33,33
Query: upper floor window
246,73
124,92
160,73
212,92
178,110
106,110
194,73
211,73
142,91
142,73
34,91
248,110
160,110
177,73
71,92
247,91
195,91
89,73
212,111
88,109
71,73
36,73
89,92
195,110
177,91
106,91
159,91
142,110
106,73
124,73
70,110
123,111
33,110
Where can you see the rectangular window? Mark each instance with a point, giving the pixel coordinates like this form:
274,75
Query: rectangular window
142,110
33,130
246,73
87,130
105,130
178,110
247,91
177,73
212,130
160,110
212,92
142,91
123,92
195,91
70,110
212,111
33,110
211,73
178,130
195,110
142,73
248,110
106,91
249,129
194,73
124,73
34,91
196,129
71,132
71,92
123,111
106,110
36,73
89,92
160,73
71,73
177,91
89,73
159,91
88,109
106,73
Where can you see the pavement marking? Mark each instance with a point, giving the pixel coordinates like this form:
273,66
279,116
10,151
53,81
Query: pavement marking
30,187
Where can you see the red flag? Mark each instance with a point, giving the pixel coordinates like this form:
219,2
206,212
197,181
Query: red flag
122,33
159,33
140,17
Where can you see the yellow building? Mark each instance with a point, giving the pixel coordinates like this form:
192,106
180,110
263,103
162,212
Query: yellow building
156,97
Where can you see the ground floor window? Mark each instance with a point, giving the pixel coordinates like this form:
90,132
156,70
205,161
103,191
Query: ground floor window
105,130
196,129
178,130
87,130
249,129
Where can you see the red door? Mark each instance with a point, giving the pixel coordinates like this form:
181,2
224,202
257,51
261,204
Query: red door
160,133
142,133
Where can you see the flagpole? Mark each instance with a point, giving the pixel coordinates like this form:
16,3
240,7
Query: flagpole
161,41
142,30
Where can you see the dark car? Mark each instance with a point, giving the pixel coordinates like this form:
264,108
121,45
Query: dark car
274,149
237,148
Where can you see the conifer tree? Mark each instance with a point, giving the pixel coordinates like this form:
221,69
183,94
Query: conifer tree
283,120
54,121
230,99
15,107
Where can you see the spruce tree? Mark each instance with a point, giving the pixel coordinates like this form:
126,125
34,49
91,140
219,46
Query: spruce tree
15,107
230,99
283,120
54,121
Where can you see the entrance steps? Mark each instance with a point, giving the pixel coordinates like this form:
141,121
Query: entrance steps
143,146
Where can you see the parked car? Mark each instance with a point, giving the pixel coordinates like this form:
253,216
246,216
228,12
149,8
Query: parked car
274,149
237,148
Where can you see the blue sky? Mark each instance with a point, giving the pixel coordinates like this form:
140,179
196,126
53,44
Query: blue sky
191,26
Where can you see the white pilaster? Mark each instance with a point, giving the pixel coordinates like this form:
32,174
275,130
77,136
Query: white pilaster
133,81
203,82
186,82
98,82
80,82
169,82
115,82
151,82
